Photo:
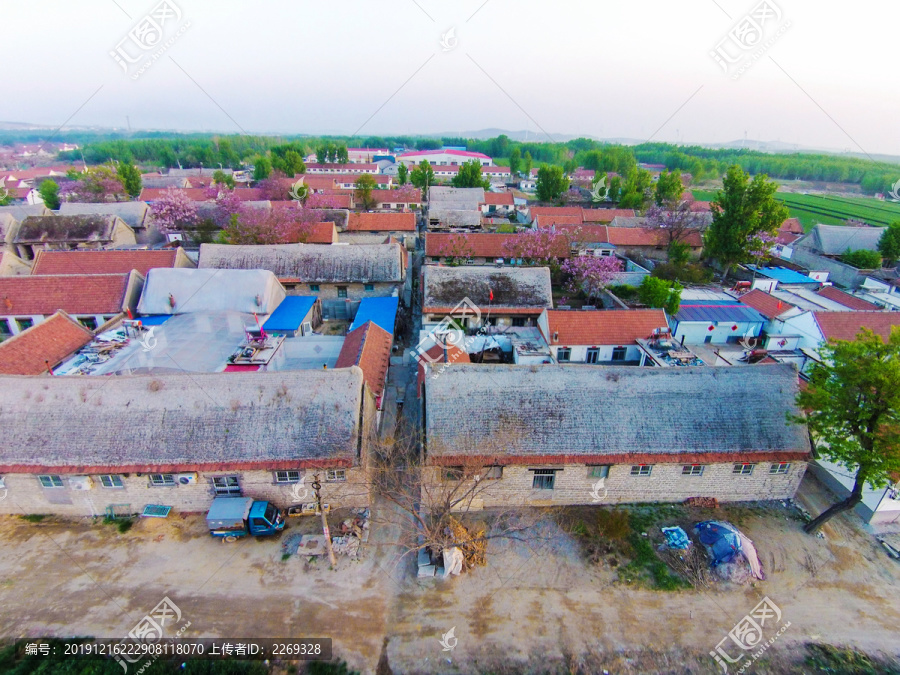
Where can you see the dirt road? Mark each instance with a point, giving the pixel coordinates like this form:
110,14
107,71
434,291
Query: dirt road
541,603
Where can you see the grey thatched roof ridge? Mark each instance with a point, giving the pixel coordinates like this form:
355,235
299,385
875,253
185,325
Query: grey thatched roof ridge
133,213
837,239
590,410
179,419
66,228
511,286
311,262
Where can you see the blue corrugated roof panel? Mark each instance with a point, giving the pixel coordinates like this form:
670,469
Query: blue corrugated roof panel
290,313
380,311
718,310
783,275
154,319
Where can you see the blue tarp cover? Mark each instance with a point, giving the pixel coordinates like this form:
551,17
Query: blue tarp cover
290,313
676,538
722,540
380,311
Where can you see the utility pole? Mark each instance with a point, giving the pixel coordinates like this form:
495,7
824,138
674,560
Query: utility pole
317,487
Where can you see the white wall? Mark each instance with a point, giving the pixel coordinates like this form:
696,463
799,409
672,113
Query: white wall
804,325
697,332
579,352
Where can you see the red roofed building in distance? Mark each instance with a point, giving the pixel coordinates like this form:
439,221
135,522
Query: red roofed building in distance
381,222
108,262
446,157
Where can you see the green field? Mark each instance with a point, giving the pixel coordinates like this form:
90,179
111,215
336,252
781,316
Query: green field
831,210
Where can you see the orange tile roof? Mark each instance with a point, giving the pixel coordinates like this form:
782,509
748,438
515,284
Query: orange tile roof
322,233
543,220
846,325
316,182
605,215
847,300
394,196
481,245
767,305
382,222
75,294
792,225
603,327
626,236
499,198
53,341
368,347
557,211
101,262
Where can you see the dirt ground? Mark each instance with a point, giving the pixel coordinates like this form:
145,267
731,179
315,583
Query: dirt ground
538,605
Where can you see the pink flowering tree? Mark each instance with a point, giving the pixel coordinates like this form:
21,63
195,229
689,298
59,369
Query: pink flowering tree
97,184
276,187
539,246
591,274
269,226
228,204
677,223
174,211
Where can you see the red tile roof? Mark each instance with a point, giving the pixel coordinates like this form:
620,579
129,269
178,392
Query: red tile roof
543,220
75,294
368,347
353,177
558,211
53,341
846,325
603,327
457,153
767,305
701,207
322,233
847,300
792,225
498,198
440,244
382,222
336,168
318,182
605,215
101,262
394,196
627,236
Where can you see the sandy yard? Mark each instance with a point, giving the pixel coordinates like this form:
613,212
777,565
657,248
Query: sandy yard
538,603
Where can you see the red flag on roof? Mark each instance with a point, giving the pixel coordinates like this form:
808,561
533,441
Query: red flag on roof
491,294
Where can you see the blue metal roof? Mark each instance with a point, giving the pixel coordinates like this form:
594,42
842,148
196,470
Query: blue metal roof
381,311
783,275
154,319
717,310
290,313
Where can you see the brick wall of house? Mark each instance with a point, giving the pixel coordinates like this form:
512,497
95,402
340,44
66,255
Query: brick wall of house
574,485
25,495
354,291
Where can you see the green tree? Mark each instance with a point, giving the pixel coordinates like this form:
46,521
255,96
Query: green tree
515,160
341,156
570,166
288,158
862,259
469,176
669,188
402,174
321,154
742,210
637,188
528,164
422,177
262,168
130,177
364,186
853,404
222,178
49,191
614,191
5,196
551,183
889,244
659,293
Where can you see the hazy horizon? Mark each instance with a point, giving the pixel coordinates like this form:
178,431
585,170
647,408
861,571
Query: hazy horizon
640,72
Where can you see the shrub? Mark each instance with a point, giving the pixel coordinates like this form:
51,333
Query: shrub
862,259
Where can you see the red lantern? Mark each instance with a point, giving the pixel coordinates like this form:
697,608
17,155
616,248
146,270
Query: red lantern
711,328
734,327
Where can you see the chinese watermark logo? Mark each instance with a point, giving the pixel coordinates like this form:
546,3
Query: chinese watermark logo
449,640
150,37
748,634
749,39
153,626
450,332
595,491
299,191
598,194
449,39
748,342
4,193
148,340
299,491
895,192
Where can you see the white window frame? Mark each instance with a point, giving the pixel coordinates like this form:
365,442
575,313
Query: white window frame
335,475
598,470
287,478
543,474
111,479
53,481
162,480
641,469
779,468
227,486
693,469
743,469
568,351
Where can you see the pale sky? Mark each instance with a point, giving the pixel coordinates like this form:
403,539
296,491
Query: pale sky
626,69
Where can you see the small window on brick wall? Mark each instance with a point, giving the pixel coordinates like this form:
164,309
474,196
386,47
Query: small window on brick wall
335,475
51,481
111,481
641,469
692,470
287,476
743,469
493,473
598,471
780,467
